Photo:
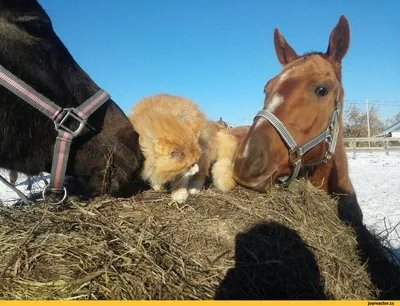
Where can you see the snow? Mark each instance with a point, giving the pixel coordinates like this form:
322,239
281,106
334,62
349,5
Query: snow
376,180
375,177
9,197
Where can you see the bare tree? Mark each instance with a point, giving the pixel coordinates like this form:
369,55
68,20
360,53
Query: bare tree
392,120
355,122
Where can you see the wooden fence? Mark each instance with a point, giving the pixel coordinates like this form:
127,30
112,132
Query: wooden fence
372,143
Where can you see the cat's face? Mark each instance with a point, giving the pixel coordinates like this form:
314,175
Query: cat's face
176,158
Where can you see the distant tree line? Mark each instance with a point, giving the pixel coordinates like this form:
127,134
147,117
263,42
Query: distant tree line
355,122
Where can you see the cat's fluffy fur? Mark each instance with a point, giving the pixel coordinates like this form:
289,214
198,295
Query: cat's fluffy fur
179,145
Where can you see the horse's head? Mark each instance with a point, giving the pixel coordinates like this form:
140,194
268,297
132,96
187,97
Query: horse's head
32,51
304,97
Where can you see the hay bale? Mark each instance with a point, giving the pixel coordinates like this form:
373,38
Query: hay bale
242,244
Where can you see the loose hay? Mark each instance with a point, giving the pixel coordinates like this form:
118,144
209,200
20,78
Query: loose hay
146,248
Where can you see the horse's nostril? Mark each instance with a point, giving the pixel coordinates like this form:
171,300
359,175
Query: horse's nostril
258,164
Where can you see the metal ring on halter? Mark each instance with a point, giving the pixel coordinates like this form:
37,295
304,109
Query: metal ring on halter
69,112
56,203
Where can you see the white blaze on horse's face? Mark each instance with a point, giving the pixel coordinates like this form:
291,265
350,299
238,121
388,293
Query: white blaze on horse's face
245,153
276,100
285,75
246,149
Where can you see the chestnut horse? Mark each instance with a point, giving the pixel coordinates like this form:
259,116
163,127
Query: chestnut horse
299,132
32,51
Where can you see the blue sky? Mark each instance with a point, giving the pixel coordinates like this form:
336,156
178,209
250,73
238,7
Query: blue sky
220,53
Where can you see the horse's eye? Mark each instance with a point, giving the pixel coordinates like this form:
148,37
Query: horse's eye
321,91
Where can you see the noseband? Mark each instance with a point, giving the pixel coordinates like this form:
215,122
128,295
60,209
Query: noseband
59,116
296,151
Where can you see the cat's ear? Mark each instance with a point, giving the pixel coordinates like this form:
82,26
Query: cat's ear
177,154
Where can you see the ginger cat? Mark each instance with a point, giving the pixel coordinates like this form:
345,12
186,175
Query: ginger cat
179,145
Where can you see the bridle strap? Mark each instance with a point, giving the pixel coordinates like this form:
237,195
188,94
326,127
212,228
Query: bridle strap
59,116
287,139
92,104
282,130
60,161
28,94
296,152
65,136
331,133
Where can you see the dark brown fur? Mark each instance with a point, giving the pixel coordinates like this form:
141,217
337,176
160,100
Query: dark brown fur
32,51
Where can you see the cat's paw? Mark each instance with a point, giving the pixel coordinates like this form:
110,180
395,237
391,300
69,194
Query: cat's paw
194,191
180,195
195,187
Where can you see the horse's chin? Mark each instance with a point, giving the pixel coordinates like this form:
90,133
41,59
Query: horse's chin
78,187
116,188
261,184
264,186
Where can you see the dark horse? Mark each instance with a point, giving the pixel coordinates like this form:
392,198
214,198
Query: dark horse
32,51
297,131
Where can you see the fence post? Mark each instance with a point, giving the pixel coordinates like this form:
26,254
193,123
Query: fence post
387,146
354,148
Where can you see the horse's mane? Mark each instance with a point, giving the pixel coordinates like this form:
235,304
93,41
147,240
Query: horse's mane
313,53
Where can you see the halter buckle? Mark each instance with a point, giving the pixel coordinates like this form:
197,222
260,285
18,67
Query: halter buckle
66,113
295,154
328,156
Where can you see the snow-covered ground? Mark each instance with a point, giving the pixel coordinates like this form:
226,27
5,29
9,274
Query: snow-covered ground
376,180
375,176
9,197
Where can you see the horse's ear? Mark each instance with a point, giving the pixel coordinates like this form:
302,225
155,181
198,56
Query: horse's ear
284,51
339,40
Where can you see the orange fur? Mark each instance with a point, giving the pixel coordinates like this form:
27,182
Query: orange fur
175,136
226,144
294,98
